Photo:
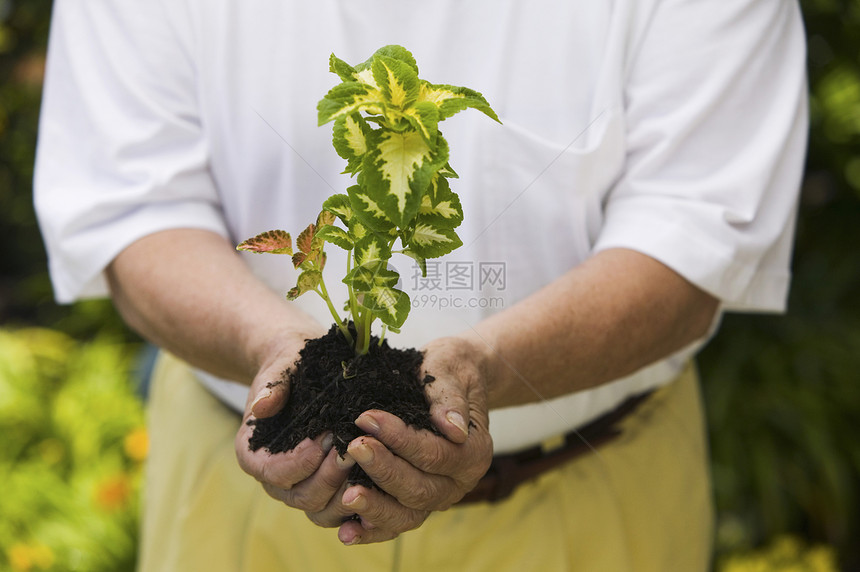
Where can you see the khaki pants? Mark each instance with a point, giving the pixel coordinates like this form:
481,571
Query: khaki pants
642,503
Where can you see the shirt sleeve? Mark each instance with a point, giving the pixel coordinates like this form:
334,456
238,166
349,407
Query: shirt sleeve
716,109
121,151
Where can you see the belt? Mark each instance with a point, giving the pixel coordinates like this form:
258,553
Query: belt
507,472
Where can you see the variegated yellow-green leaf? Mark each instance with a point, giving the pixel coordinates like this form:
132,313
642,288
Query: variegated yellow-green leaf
347,98
393,51
349,137
368,211
371,248
325,217
451,99
367,276
422,262
308,280
440,207
357,231
339,206
448,172
428,241
270,242
397,170
390,304
397,81
334,235
423,116
343,70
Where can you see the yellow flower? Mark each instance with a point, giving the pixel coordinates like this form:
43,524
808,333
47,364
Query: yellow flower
136,444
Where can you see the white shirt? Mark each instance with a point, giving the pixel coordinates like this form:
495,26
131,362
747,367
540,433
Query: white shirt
676,129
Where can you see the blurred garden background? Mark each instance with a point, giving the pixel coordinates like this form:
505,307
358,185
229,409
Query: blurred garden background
782,392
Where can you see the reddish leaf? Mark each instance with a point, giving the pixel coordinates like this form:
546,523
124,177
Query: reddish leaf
299,259
305,240
271,242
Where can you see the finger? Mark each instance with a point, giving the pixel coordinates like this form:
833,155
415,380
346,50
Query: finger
457,395
380,517
449,409
315,493
411,487
269,400
466,462
283,470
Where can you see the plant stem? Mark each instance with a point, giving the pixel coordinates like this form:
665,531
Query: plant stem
323,292
362,328
353,302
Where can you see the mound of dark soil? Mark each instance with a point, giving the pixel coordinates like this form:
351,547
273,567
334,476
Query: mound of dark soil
330,387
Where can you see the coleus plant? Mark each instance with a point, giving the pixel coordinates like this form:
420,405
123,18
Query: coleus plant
386,127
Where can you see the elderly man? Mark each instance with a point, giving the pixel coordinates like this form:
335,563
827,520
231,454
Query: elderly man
643,182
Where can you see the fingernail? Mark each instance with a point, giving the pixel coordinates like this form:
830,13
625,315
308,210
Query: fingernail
455,419
362,453
345,462
265,393
354,500
327,442
354,540
367,423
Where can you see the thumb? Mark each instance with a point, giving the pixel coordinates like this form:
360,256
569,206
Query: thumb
455,394
270,399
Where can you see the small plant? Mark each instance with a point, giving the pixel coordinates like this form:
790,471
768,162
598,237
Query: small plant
386,127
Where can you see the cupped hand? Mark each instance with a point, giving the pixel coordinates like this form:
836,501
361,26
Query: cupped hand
417,471
306,477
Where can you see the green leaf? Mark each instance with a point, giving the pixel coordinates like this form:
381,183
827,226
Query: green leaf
452,99
424,118
396,172
422,262
448,172
390,304
349,137
347,98
343,70
335,235
397,81
395,52
357,230
440,207
429,241
325,217
371,248
270,242
308,281
368,211
339,206
367,276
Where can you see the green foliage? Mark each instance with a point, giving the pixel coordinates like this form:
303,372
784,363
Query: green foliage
782,392
71,453
386,127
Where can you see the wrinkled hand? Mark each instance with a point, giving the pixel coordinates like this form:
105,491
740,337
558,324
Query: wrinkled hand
418,471
306,477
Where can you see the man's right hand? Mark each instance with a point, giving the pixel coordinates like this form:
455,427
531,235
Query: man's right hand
308,477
